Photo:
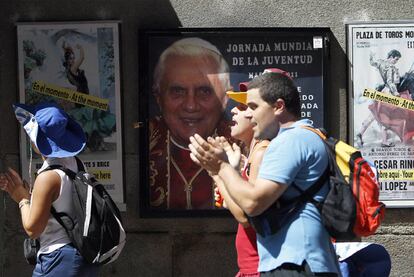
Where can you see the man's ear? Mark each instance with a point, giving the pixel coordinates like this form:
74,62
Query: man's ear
156,95
279,105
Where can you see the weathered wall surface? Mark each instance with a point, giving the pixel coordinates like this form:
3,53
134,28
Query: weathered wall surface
198,246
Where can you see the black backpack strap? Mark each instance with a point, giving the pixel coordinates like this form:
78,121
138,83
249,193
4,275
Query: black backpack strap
72,175
59,218
308,194
53,211
67,171
50,167
80,164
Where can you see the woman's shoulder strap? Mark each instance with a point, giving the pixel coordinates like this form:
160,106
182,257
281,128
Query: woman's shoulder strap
258,145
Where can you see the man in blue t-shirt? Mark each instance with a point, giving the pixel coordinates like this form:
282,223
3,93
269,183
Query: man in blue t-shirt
302,247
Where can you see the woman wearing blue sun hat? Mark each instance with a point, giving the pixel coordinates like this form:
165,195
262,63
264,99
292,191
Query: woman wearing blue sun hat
58,139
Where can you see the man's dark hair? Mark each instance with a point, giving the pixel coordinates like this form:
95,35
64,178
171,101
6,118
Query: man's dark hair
273,86
394,54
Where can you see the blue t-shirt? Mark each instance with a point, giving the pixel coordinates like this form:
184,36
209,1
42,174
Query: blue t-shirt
297,155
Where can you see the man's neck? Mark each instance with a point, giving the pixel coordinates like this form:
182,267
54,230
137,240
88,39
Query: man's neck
179,145
288,120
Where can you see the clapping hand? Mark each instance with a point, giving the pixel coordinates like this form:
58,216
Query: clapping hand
206,154
233,152
211,153
12,183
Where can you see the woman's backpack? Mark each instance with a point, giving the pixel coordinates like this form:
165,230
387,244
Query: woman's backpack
95,228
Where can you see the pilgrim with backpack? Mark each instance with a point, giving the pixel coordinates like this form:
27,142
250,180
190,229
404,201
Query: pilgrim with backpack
72,222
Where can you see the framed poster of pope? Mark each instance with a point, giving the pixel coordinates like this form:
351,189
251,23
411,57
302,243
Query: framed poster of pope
184,76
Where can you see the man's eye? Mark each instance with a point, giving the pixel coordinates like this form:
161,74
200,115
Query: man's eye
205,91
252,107
176,91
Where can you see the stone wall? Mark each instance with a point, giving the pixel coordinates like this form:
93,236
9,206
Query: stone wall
196,246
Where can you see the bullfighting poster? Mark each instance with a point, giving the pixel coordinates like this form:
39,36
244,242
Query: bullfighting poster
381,58
76,66
184,74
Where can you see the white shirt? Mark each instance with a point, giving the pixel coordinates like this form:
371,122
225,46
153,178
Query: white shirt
54,236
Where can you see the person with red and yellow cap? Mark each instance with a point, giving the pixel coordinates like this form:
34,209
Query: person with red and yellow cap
241,129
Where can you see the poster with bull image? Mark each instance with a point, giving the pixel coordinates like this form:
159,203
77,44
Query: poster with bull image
184,74
76,66
381,59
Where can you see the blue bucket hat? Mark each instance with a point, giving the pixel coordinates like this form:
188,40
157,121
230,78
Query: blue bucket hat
51,129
